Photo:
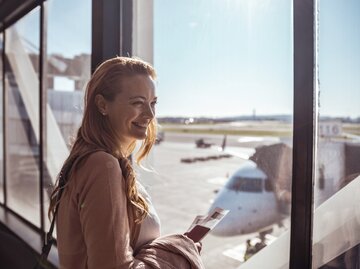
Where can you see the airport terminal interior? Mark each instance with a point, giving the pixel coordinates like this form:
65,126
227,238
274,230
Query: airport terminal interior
258,114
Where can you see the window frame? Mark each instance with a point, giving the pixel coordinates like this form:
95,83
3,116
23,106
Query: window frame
304,138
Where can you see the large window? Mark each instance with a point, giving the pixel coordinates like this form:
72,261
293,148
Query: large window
225,88
337,183
66,71
22,116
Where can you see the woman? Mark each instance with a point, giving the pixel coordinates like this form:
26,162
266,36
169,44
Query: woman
105,218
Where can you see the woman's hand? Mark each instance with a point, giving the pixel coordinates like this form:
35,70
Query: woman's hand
197,244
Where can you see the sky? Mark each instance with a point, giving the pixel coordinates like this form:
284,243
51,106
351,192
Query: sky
218,58
339,57
227,57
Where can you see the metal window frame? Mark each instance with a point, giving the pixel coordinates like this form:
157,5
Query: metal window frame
126,27
303,135
12,11
112,28
4,104
42,107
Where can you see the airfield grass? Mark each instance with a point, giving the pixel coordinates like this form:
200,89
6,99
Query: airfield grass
353,129
228,132
243,131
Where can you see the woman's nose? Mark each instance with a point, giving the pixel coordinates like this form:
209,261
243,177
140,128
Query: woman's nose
149,112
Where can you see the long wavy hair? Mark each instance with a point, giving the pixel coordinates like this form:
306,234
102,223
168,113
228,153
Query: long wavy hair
96,132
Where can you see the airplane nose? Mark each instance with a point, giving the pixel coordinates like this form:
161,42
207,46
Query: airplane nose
230,225
221,230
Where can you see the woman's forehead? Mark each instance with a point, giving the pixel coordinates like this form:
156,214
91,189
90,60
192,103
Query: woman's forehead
139,85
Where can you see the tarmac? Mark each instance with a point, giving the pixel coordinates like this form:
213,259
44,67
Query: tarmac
180,191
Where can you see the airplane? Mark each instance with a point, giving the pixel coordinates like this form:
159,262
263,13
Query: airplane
258,194
250,197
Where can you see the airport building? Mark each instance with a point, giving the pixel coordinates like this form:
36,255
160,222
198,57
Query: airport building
259,114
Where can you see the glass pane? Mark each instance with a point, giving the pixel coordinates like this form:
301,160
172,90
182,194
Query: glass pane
1,122
22,86
336,234
68,70
225,88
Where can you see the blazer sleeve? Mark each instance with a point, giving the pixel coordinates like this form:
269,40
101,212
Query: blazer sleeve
103,214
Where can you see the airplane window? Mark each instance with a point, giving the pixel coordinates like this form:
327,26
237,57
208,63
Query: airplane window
245,184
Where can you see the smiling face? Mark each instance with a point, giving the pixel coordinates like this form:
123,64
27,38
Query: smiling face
132,109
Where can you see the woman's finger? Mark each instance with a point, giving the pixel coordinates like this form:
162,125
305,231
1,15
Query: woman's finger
198,246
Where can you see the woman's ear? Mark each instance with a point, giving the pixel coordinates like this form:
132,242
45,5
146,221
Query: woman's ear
101,104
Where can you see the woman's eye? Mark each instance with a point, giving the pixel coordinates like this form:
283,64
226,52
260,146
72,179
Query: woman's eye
141,103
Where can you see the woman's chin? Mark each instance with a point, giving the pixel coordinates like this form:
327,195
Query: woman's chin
139,136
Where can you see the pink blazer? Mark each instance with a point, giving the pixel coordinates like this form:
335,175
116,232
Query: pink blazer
96,228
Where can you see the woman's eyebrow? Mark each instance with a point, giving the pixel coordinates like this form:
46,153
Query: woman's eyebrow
142,97
139,96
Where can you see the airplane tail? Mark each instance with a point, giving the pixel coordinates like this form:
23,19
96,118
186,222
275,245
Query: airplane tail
223,145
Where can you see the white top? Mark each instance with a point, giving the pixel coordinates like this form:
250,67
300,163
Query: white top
150,227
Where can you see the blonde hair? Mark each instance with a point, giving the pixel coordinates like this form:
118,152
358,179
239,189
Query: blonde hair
96,132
